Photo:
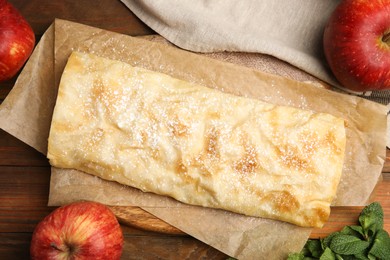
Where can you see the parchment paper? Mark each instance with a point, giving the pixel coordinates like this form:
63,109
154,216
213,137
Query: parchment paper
26,113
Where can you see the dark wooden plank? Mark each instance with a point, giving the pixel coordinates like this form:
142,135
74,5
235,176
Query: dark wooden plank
14,152
21,219
149,246
23,194
15,245
24,183
5,88
105,14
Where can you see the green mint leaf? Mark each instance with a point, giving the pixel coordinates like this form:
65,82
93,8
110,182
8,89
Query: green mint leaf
349,257
315,248
305,251
327,255
326,240
295,256
356,231
362,256
381,245
348,245
371,219
371,257
369,241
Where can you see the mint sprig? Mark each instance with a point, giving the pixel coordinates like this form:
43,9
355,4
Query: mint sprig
366,241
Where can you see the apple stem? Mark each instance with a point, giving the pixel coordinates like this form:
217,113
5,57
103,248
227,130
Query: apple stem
54,245
386,38
68,248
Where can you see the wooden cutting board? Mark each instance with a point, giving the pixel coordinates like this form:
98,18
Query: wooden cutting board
339,217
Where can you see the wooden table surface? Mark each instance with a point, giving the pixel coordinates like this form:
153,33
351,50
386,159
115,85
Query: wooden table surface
25,173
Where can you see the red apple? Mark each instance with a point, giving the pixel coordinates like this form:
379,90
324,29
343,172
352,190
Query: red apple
357,44
80,230
17,41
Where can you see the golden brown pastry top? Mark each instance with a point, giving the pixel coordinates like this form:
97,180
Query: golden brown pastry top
198,145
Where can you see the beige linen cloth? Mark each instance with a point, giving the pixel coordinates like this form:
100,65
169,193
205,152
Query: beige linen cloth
290,30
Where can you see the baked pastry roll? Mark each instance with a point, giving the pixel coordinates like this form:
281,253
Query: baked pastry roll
195,144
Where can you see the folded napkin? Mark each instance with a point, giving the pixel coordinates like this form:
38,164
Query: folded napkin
288,30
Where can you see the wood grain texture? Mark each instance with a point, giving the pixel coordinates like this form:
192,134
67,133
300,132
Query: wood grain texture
25,173
137,246
106,14
139,218
5,88
14,152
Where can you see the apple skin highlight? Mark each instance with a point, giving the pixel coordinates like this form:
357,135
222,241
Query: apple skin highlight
80,230
17,41
357,44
